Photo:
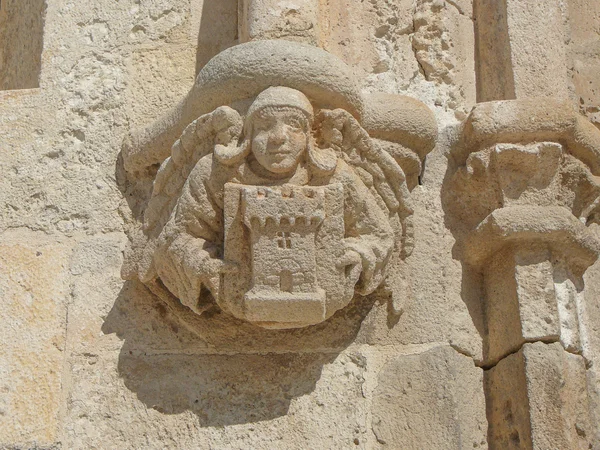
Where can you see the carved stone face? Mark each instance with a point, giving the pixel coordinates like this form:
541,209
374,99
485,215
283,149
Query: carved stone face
279,139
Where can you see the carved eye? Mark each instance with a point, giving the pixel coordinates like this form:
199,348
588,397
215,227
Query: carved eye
263,124
295,123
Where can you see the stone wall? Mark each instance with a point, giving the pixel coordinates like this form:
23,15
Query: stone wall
91,361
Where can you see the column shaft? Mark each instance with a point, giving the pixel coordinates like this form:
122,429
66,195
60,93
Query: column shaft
296,20
521,49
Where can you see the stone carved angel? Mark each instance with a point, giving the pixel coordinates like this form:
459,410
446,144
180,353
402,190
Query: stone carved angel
279,217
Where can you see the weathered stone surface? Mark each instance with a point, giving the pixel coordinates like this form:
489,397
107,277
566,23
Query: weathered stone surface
556,414
217,401
430,400
584,56
95,283
522,52
274,221
272,19
533,237
34,287
127,367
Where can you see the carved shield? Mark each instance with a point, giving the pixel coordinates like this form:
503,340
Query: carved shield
285,243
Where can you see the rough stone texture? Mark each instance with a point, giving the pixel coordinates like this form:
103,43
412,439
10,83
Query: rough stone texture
216,401
521,51
91,361
584,56
272,19
557,413
34,285
441,376
408,46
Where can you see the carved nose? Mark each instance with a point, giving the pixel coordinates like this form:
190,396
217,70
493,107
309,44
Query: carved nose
278,135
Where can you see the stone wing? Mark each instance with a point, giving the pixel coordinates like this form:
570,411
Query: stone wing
211,132
378,170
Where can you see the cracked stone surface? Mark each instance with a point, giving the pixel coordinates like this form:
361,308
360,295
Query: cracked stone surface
89,361
440,376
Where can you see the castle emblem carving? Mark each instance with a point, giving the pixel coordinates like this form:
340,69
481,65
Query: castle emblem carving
279,228
278,213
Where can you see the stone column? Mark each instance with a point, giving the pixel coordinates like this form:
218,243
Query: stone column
530,159
536,378
520,49
531,185
296,20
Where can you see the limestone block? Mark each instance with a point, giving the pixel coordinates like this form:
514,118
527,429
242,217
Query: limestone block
530,297
34,287
102,27
158,77
438,307
288,401
522,51
584,55
273,19
59,156
521,302
214,25
443,31
95,284
430,400
538,305
556,413
21,35
374,38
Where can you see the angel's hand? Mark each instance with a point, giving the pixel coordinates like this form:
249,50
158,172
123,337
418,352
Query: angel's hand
211,271
351,261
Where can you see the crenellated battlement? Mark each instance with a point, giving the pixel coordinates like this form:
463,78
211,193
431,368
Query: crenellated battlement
283,206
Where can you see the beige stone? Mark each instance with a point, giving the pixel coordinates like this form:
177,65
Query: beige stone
430,400
21,25
291,255
35,289
583,53
556,414
265,401
272,19
521,51
494,225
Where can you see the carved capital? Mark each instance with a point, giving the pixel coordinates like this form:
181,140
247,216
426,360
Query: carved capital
527,194
529,174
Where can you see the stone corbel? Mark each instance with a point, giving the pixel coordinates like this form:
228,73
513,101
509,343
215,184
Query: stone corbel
382,125
529,190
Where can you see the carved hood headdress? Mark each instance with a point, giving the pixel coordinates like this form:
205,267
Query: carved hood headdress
281,97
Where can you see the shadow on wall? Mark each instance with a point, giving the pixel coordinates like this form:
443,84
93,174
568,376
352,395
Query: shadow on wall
218,29
462,213
21,42
225,371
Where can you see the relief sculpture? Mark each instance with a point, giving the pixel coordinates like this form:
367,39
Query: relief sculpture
279,217
280,190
